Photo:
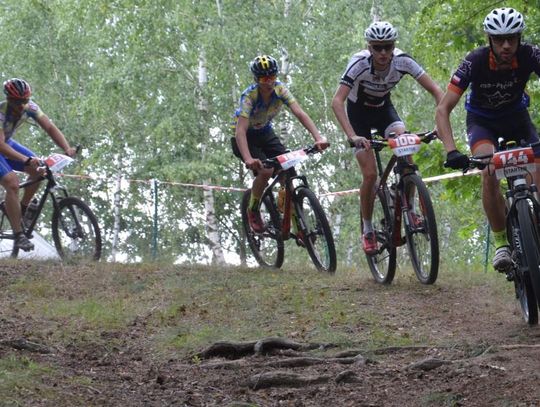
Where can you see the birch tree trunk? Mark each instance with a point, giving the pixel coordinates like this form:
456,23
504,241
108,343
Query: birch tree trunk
212,229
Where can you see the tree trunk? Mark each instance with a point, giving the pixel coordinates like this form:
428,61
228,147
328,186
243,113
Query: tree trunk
212,229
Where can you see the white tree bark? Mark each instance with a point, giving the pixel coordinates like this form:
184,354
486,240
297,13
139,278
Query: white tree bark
116,211
212,229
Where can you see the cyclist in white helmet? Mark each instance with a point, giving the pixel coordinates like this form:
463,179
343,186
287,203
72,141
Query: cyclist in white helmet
362,103
496,107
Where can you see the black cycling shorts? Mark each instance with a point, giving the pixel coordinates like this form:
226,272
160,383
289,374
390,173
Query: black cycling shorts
364,118
262,144
516,126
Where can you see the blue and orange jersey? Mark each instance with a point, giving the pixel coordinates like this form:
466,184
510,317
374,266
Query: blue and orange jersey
260,114
10,123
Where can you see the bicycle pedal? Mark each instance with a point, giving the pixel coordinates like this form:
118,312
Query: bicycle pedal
509,276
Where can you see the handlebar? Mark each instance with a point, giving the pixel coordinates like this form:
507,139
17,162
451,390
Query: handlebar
483,160
274,163
379,141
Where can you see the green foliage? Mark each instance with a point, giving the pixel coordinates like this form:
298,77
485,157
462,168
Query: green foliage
121,79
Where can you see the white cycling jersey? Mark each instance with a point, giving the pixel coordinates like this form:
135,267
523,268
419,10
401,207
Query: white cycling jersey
372,88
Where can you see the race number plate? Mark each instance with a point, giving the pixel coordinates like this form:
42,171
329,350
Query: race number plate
405,144
289,160
56,162
514,162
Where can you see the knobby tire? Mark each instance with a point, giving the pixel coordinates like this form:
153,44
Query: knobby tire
383,264
530,250
318,236
75,231
267,247
423,242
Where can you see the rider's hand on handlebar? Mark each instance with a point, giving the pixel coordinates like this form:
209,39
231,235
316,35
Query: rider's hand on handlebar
360,142
71,152
322,144
456,160
254,164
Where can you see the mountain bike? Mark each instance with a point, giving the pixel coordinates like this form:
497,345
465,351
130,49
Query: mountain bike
300,208
516,164
401,194
74,227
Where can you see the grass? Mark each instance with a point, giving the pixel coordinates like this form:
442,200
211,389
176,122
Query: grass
189,307
183,309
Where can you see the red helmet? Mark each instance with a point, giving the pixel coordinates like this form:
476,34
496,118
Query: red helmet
17,89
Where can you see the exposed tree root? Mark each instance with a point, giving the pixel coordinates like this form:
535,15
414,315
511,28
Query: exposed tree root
24,344
286,379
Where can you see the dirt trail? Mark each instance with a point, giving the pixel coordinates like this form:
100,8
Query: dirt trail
487,356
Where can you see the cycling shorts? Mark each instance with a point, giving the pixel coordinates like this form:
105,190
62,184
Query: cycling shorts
517,126
7,165
364,118
262,144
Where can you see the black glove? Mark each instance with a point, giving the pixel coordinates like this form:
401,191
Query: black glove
456,160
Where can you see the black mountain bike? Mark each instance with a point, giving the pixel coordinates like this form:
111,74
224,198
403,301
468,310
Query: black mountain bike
301,206
74,227
402,194
516,165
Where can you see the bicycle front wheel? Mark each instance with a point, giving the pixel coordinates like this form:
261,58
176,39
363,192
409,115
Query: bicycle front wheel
267,247
75,231
318,236
421,230
383,263
530,243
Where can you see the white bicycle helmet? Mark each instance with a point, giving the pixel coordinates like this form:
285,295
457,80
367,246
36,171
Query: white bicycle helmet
380,31
504,21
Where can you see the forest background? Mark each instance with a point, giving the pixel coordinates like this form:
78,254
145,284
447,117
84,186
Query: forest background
148,89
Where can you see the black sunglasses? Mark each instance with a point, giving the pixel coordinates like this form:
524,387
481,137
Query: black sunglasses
379,48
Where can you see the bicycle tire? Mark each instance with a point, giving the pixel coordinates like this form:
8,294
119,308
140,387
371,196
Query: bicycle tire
423,241
267,247
383,263
75,231
530,244
318,237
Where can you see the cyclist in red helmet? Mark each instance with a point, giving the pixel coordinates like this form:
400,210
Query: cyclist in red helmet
254,138
14,111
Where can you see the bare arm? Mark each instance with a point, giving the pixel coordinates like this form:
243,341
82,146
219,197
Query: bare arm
338,106
442,118
431,86
57,136
306,121
241,141
8,151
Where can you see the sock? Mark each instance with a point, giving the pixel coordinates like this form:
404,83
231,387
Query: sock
368,226
253,202
499,238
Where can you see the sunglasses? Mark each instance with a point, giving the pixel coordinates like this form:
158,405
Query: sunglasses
267,79
380,48
18,102
501,39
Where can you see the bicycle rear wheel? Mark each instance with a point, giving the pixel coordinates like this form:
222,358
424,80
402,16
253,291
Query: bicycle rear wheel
421,230
75,231
267,247
318,236
530,249
383,263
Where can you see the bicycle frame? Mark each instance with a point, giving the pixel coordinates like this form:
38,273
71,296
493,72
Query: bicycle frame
286,177
402,167
50,188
